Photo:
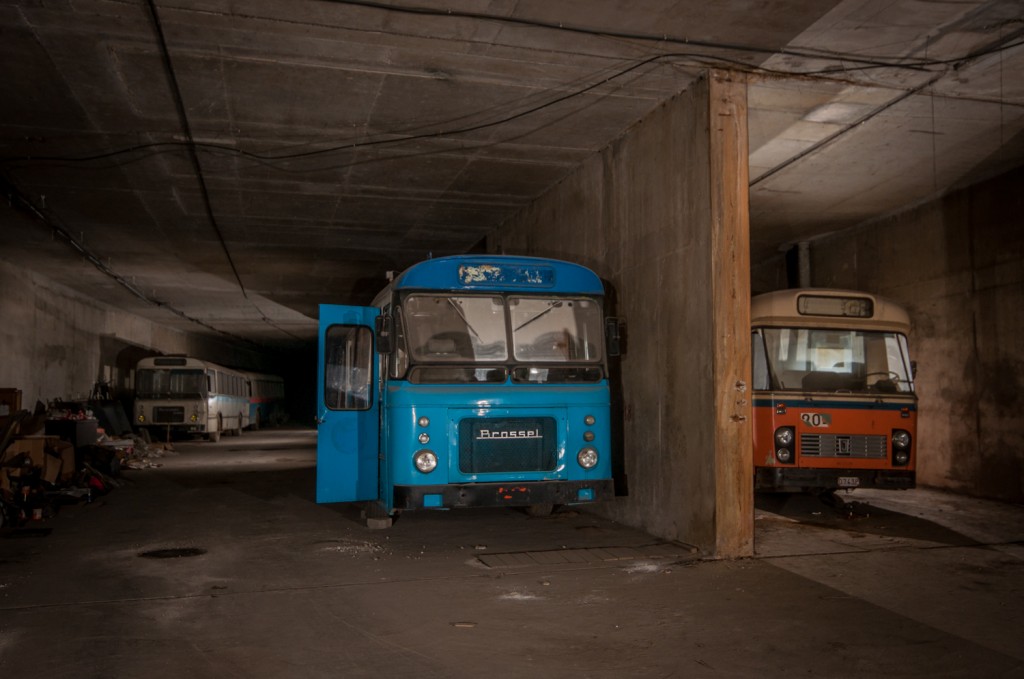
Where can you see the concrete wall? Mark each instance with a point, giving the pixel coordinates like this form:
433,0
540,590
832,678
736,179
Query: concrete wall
650,218
56,343
957,264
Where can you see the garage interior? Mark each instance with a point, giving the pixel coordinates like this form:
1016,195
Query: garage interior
197,177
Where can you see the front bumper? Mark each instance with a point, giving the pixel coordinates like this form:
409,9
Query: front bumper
510,494
791,480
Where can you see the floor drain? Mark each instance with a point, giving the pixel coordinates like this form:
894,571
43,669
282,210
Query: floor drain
175,553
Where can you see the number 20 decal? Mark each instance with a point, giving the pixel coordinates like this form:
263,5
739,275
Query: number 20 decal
816,419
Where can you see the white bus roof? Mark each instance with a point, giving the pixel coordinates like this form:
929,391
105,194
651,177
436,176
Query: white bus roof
827,308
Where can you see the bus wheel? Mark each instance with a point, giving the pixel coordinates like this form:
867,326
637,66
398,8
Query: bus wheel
238,429
541,510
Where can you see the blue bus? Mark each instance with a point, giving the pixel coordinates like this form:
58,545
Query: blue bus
473,380
266,399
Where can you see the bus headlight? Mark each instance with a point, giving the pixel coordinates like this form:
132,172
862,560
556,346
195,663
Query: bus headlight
142,418
900,446
424,421
424,438
587,457
784,438
425,461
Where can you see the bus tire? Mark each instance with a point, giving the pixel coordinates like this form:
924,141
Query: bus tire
238,429
540,510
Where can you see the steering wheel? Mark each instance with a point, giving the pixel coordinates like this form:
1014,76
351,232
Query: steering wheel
890,375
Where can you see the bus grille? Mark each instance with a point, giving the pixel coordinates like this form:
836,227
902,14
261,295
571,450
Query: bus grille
500,444
843,445
168,414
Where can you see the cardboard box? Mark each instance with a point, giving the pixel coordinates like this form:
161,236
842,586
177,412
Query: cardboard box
32,446
53,457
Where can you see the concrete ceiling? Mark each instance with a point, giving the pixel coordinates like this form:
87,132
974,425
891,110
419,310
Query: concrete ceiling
223,166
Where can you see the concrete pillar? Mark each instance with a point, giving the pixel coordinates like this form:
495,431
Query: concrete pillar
804,264
662,215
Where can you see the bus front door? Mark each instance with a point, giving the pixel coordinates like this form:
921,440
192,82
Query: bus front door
347,406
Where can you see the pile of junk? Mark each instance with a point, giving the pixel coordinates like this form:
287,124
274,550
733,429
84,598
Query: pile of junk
64,453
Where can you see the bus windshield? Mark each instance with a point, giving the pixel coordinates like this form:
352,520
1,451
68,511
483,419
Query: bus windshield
170,384
856,361
553,339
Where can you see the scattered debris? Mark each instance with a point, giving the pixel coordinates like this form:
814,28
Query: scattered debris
59,455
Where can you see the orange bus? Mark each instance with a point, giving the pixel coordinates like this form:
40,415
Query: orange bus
833,392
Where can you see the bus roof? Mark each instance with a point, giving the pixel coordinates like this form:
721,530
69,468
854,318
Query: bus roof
826,308
181,361
504,273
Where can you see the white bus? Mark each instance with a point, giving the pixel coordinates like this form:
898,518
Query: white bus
183,394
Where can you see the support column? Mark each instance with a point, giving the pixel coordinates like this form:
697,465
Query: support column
730,286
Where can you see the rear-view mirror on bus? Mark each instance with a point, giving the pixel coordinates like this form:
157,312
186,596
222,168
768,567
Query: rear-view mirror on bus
612,338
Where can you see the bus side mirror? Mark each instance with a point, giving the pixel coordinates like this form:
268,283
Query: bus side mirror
913,370
612,338
382,327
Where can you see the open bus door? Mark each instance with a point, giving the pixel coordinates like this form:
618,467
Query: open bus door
348,408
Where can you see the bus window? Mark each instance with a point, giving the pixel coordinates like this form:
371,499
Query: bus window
455,329
555,330
161,383
837,360
348,351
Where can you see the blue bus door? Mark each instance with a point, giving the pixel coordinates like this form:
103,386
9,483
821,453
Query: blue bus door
347,405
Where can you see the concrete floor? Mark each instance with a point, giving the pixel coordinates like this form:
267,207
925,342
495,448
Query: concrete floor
907,584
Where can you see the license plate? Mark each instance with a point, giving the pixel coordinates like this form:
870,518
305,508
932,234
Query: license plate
849,481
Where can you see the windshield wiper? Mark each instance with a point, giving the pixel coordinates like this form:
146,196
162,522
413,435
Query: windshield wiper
551,305
462,315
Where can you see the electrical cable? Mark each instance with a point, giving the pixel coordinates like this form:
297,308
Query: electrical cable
190,145
340,147
646,37
197,166
18,198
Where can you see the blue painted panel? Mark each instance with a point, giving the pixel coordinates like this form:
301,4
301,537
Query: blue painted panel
500,273
446,406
